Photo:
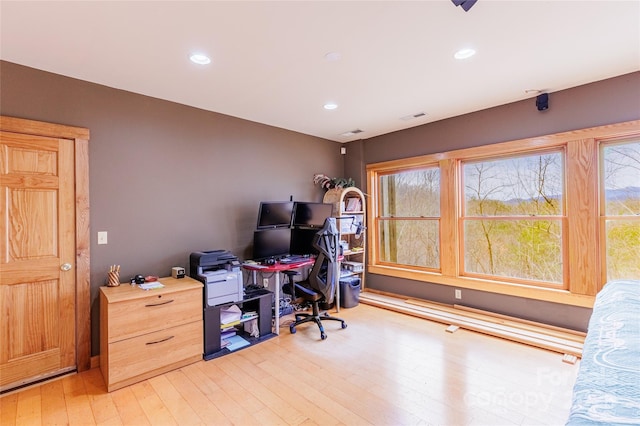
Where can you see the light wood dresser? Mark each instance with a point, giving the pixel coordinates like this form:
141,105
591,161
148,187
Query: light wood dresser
144,333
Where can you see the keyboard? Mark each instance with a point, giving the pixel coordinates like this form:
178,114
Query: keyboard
293,259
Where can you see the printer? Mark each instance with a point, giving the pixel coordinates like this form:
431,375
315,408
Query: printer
221,274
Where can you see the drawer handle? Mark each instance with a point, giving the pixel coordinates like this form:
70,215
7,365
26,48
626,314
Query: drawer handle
159,304
160,341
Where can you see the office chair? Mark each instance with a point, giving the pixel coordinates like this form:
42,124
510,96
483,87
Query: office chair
321,284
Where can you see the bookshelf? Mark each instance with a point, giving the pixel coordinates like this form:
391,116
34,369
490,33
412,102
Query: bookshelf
349,210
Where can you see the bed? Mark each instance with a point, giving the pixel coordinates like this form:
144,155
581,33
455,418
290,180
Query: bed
607,389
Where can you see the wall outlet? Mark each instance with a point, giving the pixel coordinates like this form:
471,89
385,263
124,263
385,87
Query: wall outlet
458,294
265,282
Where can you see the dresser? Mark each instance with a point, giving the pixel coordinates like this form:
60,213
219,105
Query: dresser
144,333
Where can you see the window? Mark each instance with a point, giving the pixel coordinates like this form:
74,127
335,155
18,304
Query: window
512,217
408,223
534,218
621,209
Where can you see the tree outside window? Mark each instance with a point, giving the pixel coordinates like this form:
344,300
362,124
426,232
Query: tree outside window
408,221
512,217
621,205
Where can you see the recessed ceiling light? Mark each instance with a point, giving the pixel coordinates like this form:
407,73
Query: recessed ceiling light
464,53
200,59
330,106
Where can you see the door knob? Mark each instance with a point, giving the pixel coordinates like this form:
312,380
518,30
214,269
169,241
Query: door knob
65,267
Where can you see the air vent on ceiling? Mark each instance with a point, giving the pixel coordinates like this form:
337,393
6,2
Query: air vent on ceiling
412,116
352,132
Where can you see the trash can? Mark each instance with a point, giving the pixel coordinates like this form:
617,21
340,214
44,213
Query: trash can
349,292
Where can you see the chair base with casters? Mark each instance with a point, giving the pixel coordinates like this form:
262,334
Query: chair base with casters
314,298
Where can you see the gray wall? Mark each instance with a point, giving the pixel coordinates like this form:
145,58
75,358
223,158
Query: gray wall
167,179
609,101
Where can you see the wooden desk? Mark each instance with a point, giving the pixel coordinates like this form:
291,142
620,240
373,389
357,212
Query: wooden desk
276,268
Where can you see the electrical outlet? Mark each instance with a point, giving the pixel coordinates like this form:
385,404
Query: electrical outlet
265,282
458,294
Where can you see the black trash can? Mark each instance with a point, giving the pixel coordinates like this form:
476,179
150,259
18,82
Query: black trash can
349,292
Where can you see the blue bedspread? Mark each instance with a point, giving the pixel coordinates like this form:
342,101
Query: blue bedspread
607,390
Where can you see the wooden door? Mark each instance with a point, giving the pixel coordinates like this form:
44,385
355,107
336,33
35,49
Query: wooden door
37,256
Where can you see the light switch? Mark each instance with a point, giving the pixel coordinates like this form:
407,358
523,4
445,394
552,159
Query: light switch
102,237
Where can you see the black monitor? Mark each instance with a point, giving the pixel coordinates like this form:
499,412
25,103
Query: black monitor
275,214
302,241
271,243
311,215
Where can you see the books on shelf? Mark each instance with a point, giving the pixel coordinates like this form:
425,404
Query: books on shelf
353,205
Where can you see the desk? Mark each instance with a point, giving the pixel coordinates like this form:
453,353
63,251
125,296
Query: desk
276,268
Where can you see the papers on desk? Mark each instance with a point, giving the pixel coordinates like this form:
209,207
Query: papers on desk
230,316
235,342
151,285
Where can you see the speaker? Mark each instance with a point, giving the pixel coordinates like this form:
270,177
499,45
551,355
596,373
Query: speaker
542,102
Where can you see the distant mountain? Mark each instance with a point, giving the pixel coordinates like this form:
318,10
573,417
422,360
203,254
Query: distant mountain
632,192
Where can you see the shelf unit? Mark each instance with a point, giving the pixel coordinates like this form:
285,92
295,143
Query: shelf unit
349,207
260,303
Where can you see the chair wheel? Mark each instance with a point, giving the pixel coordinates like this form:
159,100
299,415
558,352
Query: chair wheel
344,325
292,330
323,336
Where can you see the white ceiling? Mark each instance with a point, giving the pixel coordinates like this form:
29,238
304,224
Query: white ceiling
268,57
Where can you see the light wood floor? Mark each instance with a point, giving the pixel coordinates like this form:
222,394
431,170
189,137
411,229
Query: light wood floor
386,368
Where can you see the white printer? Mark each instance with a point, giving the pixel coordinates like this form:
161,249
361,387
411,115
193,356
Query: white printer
221,274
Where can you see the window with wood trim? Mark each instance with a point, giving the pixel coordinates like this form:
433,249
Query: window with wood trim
409,220
532,218
620,186
512,218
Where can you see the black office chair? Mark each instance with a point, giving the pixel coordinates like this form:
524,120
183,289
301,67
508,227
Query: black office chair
320,286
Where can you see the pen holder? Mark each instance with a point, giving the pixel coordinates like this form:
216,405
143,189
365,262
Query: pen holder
113,280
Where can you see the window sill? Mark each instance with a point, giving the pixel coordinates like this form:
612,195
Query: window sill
526,291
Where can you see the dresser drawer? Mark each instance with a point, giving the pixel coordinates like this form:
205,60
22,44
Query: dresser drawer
139,355
129,318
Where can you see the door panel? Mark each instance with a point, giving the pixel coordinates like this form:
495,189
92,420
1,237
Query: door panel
37,298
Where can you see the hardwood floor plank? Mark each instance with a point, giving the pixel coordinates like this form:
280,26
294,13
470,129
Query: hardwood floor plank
102,405
386,368
77,401
152,405
129,409
196,399
54,407
29,409
8,408
173,400
203,375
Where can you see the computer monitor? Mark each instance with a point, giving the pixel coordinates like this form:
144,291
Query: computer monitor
311,215
302,241
271,243
275,214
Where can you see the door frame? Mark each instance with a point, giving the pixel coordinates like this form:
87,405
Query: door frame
80,136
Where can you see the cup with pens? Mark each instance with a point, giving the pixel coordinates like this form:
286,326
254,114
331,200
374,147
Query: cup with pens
113,279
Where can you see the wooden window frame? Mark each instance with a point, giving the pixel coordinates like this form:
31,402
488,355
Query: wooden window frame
379,218
604,217
463,218
582,245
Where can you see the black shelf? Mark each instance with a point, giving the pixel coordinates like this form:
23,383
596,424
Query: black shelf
259,302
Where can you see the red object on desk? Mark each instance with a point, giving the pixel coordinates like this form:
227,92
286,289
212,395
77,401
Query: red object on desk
278,267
